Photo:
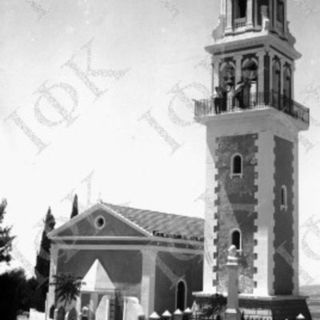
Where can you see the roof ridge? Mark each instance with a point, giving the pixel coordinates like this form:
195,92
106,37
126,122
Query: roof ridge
153,211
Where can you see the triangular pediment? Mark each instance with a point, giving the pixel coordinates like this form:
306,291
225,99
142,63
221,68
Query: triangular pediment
99,221
97,279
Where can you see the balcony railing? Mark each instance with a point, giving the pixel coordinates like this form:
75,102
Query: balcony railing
211,107
240,22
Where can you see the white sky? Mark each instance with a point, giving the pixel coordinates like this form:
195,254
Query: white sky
158,47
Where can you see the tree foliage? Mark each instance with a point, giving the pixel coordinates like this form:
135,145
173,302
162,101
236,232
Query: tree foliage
5,237
67,287
16,293
42,268
216,306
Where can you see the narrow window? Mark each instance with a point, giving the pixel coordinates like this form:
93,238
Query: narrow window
236,239
236,166
284,198
181,295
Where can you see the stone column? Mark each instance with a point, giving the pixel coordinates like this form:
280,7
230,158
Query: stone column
229,16
222,7
271,85
93,305
148,280
53,271
215,74
233,312
238,69
249,14
293,69
282,62
261,56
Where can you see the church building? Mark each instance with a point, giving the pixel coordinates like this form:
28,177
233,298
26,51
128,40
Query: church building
252,129
122,252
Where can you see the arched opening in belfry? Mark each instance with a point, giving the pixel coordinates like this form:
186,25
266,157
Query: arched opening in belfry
240,9
287,89
280,11
181,295
276,83
236,239
263,6
227,81
227,74
250,83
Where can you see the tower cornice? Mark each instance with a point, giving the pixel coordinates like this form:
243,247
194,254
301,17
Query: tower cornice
261,42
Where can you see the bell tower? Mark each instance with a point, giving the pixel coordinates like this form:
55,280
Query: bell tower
252,130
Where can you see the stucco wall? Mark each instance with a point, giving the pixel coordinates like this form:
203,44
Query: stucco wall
283,219
236,201
170,267
123,267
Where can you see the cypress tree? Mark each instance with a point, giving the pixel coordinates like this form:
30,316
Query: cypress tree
42,268
75,209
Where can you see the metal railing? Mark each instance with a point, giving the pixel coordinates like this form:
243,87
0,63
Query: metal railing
240,22
215,106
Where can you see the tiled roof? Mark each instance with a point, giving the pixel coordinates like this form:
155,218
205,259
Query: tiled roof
163,224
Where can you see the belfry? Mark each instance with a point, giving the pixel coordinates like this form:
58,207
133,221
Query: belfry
252,129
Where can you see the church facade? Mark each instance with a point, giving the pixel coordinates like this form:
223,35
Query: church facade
122,252
252,130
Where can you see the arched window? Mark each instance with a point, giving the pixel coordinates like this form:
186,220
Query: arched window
236,239
276,84
284,198
181,295
236,165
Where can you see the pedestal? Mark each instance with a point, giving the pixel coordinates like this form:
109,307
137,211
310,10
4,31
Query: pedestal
273,308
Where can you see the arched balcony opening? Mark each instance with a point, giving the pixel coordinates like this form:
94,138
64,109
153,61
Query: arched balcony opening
276,83
287,89
227,74
261,5
280,12
227,81
246,91
240,9
239,13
